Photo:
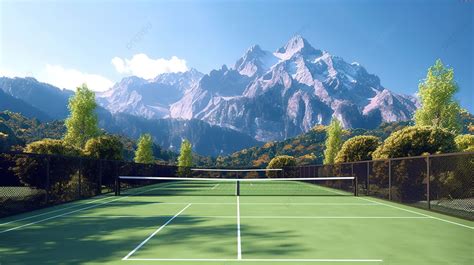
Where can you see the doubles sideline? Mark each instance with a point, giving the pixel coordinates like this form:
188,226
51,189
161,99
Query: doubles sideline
406,210
71,212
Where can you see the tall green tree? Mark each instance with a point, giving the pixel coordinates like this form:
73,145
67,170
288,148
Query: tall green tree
82,123
333,141
438,107
144,153
104,147
185,158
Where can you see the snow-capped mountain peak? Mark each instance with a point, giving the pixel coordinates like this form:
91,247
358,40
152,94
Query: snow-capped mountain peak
269,96
295,45
255,61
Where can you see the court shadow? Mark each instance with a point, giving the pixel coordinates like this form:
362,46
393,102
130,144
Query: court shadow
70,240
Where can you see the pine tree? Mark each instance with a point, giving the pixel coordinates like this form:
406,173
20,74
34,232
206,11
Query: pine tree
144,153
438,108
333,141
82,123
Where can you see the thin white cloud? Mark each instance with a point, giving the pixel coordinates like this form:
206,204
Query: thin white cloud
71,78
142,66
11,74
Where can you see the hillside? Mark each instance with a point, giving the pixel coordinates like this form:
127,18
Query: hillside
308,148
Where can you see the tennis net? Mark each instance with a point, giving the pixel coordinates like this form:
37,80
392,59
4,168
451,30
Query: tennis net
243,182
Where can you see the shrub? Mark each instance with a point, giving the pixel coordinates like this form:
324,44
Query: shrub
52,147
415,141
104,147
280,162
465,142
31,170
358,148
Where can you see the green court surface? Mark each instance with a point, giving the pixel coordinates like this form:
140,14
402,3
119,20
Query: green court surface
141,227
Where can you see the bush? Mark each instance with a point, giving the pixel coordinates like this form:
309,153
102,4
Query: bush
31,170
280,162
415,141
465,142
358,148
52,147
104,147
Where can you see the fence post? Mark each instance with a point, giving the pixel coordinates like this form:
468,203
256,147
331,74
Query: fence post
355,178
368,173
428,175
80,178
389,179
116,177
99,191
47,180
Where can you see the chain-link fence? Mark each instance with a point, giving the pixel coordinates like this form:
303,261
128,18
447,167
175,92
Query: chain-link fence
443,183
32,181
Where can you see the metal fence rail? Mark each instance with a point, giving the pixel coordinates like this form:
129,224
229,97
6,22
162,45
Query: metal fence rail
443,183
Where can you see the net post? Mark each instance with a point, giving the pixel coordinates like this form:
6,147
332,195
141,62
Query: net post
237,187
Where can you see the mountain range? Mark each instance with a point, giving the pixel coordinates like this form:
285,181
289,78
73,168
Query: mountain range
264,96
268,95
34,99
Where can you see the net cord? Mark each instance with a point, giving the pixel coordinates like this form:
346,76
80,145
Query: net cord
236,170
236,179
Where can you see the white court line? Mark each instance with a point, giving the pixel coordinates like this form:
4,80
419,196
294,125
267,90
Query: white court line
154,233
239,248
261,217
78,210
422,214
215,186
311,217
270,203
260,260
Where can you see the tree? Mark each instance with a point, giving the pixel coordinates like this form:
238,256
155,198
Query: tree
104,147
278,162
185,158
415,141
438,108
144,153
333,141
81,124
465,142
358,148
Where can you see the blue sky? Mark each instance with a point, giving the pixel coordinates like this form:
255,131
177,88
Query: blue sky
62,42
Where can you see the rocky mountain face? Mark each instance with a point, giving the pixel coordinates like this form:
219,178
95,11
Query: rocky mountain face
272,96
50,100
265,96
148,98
28,97
206,139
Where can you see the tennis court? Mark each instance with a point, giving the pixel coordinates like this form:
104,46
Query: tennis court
191,222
